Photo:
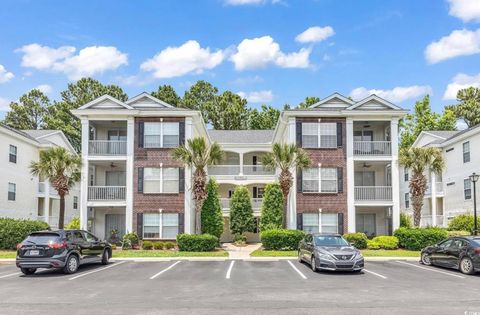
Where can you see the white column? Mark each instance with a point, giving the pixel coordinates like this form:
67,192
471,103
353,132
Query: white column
129,174
46,201
433,190
351,226
395,175
241,163
84,177
292,196
189,217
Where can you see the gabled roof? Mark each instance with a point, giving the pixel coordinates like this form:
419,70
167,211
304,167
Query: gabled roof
144,99
106,102
241,136
373,102
444,134
336,100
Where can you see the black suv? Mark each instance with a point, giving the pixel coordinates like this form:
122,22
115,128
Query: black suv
66,249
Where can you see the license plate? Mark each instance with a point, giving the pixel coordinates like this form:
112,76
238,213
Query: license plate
34,252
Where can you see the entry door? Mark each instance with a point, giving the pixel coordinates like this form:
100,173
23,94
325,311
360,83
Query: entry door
116,135
366,224
114,222
364,135
115,178
366,178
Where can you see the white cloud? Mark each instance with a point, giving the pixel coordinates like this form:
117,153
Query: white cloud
44,88
395,95
5,76
262,51
460,81
4,104
458,43
265,96
315,34
466,10
89,60
187,58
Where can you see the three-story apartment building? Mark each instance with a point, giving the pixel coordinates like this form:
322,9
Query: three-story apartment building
132,183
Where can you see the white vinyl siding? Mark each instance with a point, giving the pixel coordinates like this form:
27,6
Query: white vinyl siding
320,223
161,134
160,180
319,135
322,180
160,225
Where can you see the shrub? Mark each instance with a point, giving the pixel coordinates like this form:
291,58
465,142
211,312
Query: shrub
74,224
169,245
418,238
158,245
272,207
405,220
458,233
358,240
211,215
383,242
196,242
462,222
239,239
241,213
281,239
14,231
130,240
147,245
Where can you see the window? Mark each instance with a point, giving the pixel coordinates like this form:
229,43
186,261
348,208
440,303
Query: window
160,224
160,180
466,152
407,200
161,134
89,237
75,202
467,189
320,180
12,190
319,135
13,154
328,222
405,174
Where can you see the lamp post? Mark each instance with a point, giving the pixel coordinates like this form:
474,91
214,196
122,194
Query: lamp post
474,178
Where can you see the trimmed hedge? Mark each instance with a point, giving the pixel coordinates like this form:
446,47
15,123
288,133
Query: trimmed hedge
196,242
383,242
418,238
358,240
462,222
281,239
14,231
147,245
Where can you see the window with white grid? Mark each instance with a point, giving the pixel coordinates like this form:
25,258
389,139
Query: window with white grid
160,180
161,134
329,223
320,180
160,225
328,180
320,222
169,225
319,135
151,225
310,222
310,135
310,180
328,135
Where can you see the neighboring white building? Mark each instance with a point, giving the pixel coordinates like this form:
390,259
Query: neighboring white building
449,193
21,194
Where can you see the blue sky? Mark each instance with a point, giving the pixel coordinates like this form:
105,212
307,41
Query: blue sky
271,51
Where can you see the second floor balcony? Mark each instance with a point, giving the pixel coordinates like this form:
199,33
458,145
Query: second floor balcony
107,147
107,138
371,138
235,164
106,193
373,193
256,204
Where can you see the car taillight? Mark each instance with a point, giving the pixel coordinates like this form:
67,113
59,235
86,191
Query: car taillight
19,246
58,245
477,250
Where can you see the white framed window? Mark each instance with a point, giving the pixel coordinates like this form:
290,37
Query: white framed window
405,174
329,223
161,134
160,225
319,135
310,222
323,180
466,152
75,202
320,222
407,200
160,180
12,191
13,154
467,189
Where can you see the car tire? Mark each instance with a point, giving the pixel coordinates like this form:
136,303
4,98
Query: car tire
71,265
426,260
313,264
105,257
466,266
28,271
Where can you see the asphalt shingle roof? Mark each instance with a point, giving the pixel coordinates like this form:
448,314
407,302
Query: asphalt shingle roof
443,133
241,136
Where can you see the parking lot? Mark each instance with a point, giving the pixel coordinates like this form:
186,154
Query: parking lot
280,287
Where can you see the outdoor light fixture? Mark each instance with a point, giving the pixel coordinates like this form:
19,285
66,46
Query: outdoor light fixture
474,178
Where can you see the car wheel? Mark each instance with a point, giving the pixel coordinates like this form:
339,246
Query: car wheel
28,271
71,266
105,257
313,264
426,259
466,266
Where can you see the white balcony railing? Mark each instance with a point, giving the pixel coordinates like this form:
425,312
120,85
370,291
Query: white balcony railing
102,193
107,147
257,170
438,188
427,220
256,204
373,193
42,187
224,170
372,148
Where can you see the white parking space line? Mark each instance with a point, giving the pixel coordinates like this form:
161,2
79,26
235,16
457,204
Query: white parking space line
296,269
432,270
96,270
229,271
166,269
375,274
9,275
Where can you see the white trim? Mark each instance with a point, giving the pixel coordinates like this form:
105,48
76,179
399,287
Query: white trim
105,98
333,96
132,100
374,97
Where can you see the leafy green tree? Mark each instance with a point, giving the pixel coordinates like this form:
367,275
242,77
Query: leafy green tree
420,161
167,94
241,212
212,218
265,119
77,94
227,111
29,112
272,207
468,107
198,96
309,101
62,169
423,118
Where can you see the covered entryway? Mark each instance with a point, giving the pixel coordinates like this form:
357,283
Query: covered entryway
114,222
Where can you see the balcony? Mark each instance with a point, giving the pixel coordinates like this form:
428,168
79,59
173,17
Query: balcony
438,189
256,204
106,193
234,170
224,170
257,170
42,187
427,220
367,148
107,147
373,193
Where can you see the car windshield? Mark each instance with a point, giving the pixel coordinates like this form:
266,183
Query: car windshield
324,240
476,241
42,238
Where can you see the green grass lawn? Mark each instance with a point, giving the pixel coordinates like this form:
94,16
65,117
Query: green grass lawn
365,252
8,253
273,253
166,253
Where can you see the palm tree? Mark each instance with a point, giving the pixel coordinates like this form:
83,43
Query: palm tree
285,157
62,169
420,160
198,155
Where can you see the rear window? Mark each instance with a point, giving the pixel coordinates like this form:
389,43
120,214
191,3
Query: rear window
42,239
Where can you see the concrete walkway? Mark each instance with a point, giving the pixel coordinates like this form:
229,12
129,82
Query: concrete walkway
235,252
